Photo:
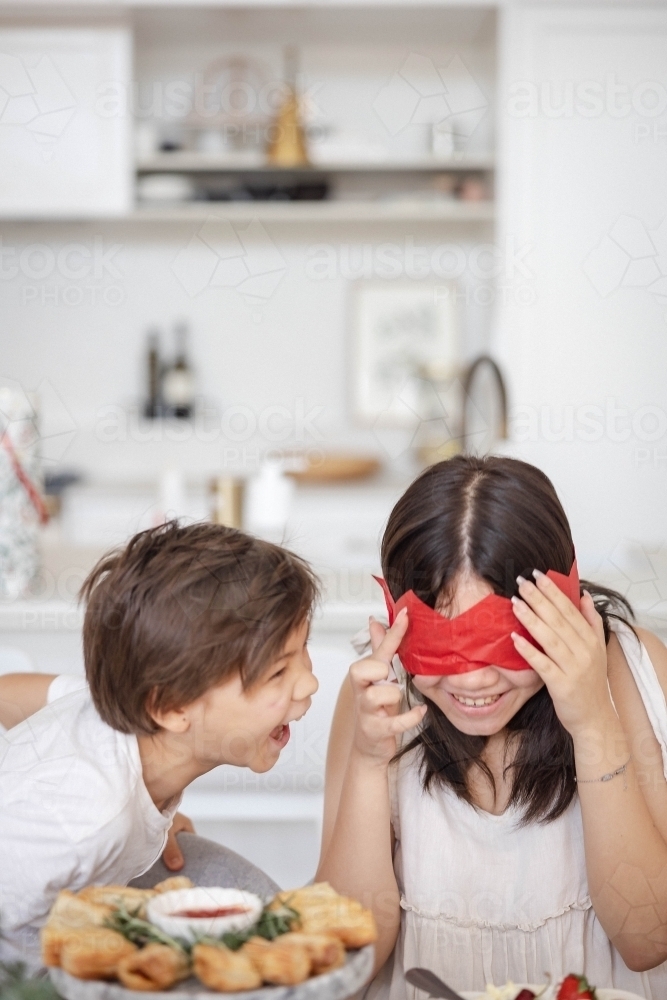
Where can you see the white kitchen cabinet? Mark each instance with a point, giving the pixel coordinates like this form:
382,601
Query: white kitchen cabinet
581,210
65,127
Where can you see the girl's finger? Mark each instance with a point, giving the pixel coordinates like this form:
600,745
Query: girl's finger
366,672
377,631
392,638
545,609
382,696
549,639
408,720
541,664
590,613
562,602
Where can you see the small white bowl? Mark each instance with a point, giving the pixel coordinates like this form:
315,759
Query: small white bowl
178,912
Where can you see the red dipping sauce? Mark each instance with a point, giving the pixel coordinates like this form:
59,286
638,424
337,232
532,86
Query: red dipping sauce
221,911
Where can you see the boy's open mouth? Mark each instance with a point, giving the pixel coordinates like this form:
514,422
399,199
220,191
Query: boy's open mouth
280,736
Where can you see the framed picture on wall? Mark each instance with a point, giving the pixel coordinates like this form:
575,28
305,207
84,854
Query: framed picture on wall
403,334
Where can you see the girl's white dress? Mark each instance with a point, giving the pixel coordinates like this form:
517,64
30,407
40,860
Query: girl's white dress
486,900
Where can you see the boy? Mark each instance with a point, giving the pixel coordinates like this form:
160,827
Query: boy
195,653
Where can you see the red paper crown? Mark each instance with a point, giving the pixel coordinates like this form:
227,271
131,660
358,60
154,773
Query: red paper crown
480,637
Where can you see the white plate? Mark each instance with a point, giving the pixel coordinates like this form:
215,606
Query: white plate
336,985
600,992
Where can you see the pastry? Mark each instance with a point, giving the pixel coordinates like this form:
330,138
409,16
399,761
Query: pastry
76,911
155,967
322,911
326,951
53,936
94,952
224,970
279,962
134,900
174,882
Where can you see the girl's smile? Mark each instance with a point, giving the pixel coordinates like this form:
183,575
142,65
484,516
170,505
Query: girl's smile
482,702
478,706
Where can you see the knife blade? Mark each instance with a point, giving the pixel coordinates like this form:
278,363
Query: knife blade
429,982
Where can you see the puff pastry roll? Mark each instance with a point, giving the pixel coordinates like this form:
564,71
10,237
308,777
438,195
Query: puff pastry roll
174,882
326,951
74,911
134,900
155,967
94,952
53,936
322,911
224,970
279,963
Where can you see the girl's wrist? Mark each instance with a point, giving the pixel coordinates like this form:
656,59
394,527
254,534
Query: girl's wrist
601,745
371,762
603,720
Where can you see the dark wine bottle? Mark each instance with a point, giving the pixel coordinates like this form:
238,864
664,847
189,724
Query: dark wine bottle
178,382
153,406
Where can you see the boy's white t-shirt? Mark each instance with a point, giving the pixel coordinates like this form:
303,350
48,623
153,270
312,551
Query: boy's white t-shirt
74,811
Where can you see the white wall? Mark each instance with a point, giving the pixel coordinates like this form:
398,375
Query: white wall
584,189
85,336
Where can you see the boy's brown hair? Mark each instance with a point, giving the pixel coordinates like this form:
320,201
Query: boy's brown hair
182,609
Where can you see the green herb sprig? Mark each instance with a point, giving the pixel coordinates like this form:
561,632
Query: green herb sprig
139,931
271,924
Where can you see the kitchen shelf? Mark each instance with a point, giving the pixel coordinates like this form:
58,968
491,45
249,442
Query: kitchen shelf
189,162
290,211
92,7
321,211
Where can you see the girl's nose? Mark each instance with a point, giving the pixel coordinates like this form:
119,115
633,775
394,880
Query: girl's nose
477,680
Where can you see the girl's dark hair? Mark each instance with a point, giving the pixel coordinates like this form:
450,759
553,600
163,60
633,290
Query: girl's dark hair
496,518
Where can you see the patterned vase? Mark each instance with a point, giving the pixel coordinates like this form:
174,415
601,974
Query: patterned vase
19,517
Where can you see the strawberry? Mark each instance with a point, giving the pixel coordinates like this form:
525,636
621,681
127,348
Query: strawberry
575,988
525,995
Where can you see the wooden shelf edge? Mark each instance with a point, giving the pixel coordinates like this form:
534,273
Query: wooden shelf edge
202,163
285,212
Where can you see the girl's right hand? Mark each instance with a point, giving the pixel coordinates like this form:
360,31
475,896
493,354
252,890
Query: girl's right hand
377,722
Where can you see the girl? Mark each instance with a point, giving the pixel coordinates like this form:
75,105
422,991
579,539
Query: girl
523,830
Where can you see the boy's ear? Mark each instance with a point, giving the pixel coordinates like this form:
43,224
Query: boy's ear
174,720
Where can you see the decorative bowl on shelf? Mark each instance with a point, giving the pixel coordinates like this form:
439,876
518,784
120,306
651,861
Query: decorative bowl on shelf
334,467
165,188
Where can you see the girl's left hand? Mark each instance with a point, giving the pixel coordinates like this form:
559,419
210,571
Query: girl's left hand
574,662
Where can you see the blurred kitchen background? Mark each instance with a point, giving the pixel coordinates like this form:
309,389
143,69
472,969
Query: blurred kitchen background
262,262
